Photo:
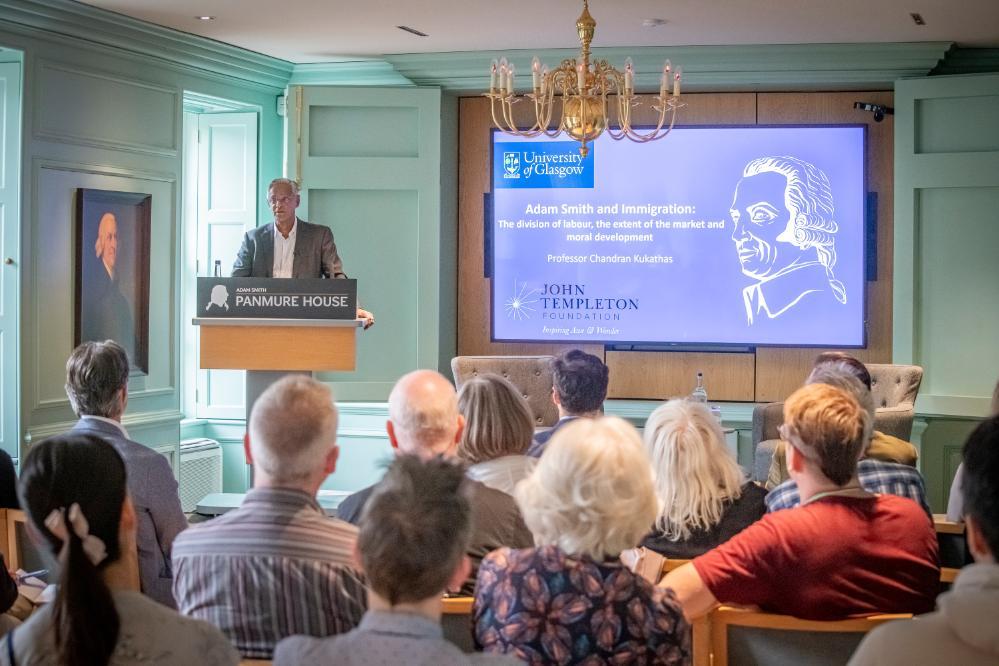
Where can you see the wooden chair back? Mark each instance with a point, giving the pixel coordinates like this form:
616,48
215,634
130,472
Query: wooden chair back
19,551
457,622
747,638
669,565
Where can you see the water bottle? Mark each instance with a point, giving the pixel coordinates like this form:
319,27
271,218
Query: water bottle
699,394
218,268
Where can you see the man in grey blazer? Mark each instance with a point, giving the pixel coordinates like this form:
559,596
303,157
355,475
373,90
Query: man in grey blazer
290,247
97,386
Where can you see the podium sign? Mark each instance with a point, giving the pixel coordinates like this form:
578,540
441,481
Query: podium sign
269,298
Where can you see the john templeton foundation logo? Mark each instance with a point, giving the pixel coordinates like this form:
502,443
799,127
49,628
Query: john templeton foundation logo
565,301
521,305
511,165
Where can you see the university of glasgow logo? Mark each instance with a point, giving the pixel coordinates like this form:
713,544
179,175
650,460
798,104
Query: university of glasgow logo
511,165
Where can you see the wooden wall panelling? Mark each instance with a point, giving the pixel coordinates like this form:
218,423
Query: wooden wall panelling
663,375
780,370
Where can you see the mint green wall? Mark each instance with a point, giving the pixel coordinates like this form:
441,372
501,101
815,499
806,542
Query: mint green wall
448,285
946,286
371,169
103,108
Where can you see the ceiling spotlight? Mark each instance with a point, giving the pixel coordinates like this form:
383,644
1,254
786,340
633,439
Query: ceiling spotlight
653,22
205,18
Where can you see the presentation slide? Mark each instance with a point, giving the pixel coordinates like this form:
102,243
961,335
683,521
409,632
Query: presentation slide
712,235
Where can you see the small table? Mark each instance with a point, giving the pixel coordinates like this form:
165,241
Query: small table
215,504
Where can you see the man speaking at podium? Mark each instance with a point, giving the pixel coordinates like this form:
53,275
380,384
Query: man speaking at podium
290,248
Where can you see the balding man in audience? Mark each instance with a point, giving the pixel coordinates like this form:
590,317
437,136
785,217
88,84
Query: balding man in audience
844,552
964,628
276,566
424,421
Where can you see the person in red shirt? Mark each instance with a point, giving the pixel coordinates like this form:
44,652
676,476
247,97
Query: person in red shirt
843,553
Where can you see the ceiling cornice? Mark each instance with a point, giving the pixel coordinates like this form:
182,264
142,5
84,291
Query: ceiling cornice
98,26
721,68
969,61
349,73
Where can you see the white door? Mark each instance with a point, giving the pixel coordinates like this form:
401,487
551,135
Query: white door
10,160
227,207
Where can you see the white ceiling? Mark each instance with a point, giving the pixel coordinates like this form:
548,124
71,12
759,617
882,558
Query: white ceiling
303,31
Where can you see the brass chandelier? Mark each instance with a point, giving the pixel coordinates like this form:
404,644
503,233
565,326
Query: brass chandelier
584,88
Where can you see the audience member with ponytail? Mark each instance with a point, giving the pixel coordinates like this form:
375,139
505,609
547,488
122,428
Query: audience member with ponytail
73,491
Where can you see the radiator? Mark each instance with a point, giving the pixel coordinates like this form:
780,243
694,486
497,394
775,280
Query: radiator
200,471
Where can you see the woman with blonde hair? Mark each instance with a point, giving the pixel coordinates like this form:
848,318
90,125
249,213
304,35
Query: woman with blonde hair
498,431
569,599
704,496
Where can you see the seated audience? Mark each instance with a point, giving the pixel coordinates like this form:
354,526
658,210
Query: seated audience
875,476
569,599
498,431
882,447
964,628
97,386
73,491
579,390
955,501
415,529
844,552
704,496
276,566
424,421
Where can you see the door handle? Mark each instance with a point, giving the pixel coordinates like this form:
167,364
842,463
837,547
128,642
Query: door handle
9,261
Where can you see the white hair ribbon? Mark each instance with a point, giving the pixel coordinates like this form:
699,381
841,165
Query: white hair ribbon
60,520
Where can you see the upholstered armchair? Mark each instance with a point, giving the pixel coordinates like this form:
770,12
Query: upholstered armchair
894,388
532,375
767,418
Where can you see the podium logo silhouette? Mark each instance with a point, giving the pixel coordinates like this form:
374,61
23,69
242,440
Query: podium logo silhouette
219,298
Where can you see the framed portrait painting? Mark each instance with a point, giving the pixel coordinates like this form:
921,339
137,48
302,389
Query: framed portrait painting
112,270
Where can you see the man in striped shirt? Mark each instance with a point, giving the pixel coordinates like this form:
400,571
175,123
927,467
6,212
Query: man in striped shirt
276,566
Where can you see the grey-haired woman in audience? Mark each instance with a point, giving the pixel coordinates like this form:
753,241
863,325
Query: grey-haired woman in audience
73,490
569,599
704,496
498,431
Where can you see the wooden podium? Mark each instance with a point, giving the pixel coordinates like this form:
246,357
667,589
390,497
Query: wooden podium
272,328
269,349
278,344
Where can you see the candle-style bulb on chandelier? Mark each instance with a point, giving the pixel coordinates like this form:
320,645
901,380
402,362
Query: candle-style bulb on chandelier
585,90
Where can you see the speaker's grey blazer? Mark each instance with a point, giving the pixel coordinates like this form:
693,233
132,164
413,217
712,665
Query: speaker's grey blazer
315,253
